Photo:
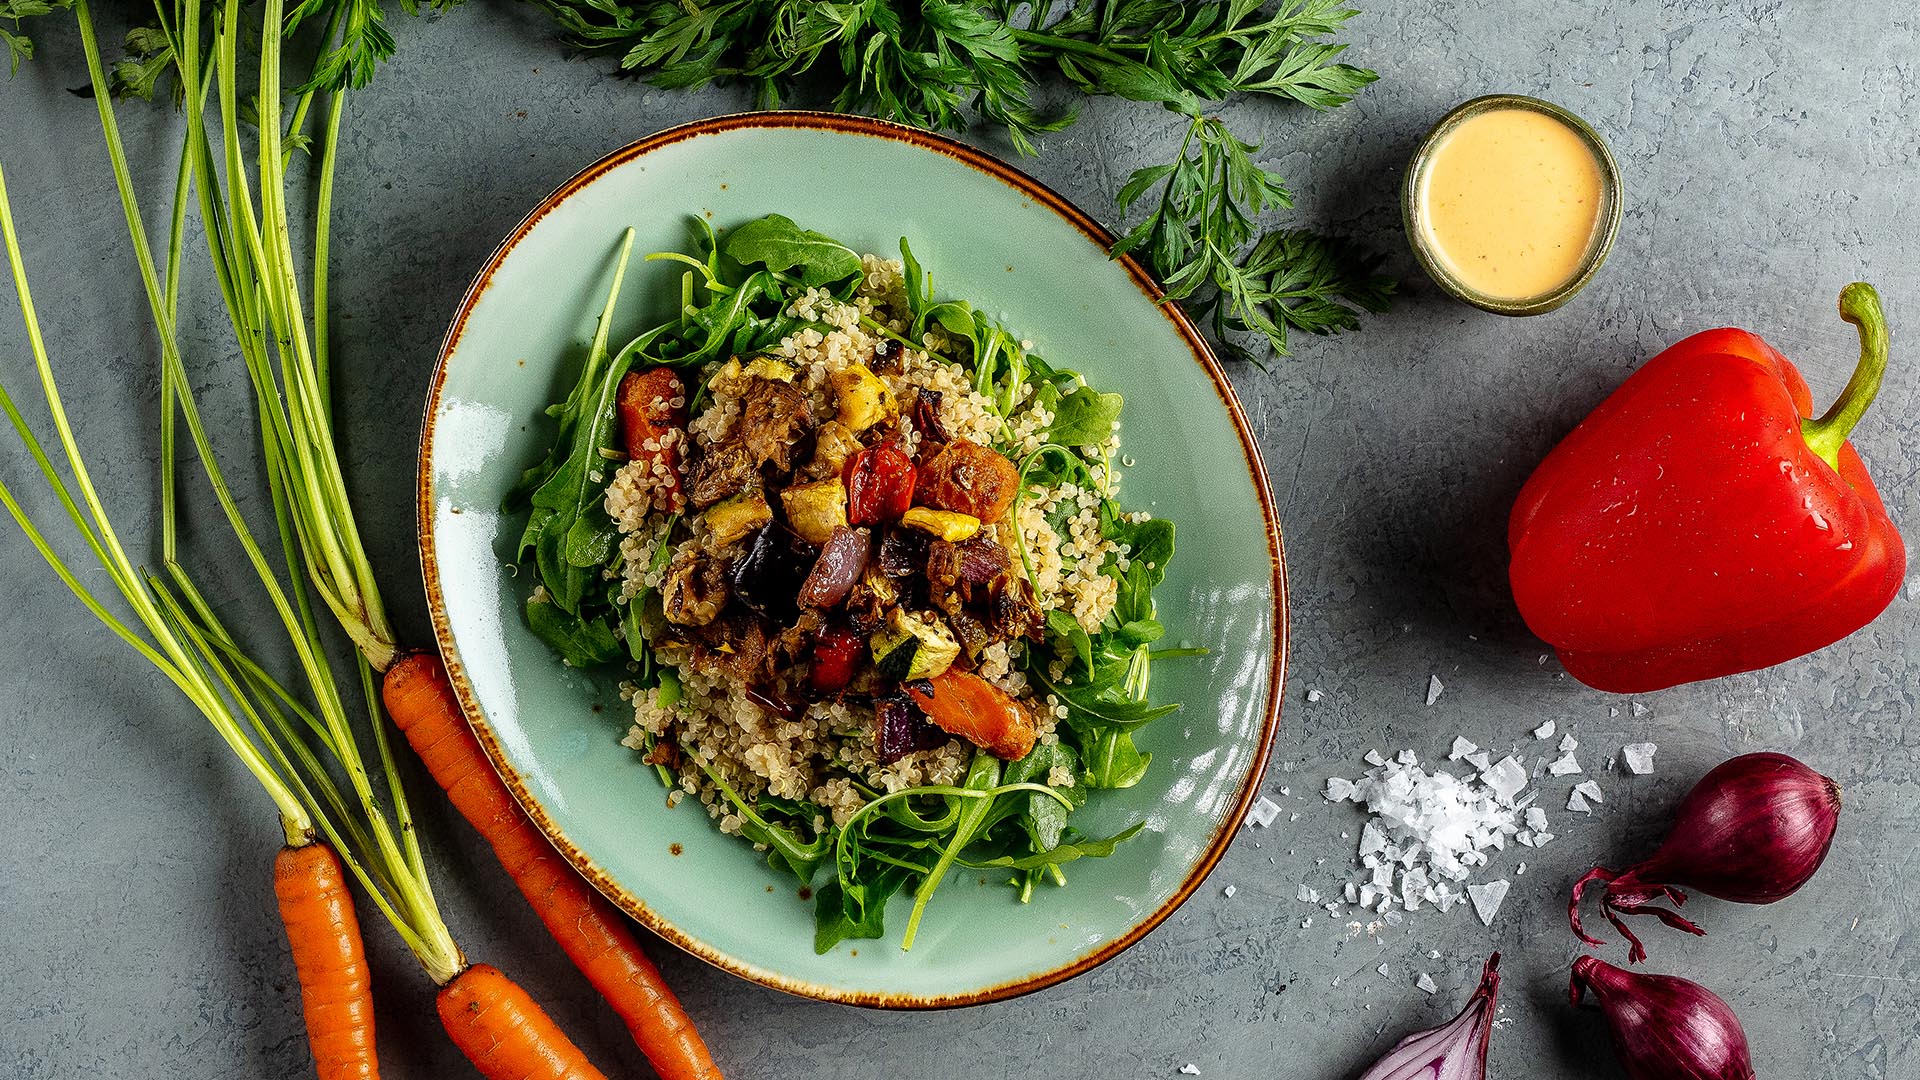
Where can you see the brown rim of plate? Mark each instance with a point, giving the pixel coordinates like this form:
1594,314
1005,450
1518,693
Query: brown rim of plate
612,890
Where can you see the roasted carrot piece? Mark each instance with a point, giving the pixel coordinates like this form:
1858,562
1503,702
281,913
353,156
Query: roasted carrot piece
594,934
977,711
504,1033
653,426
336,989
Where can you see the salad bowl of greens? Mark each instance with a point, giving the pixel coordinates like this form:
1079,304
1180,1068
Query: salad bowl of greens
885,873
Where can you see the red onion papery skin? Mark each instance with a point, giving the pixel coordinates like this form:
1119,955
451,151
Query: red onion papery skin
1456,1050
1665,1028
1752,831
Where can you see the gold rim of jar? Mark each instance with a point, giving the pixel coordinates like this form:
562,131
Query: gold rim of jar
1413,216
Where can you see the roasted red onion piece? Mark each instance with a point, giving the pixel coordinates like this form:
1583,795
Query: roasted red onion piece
1751,831
900,728
1665,1028
1456,1050
841,562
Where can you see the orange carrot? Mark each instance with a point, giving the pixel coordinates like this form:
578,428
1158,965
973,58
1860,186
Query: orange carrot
336,990
504,1033
592,932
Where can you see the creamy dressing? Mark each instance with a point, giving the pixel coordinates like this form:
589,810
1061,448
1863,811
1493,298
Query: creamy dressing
1511,201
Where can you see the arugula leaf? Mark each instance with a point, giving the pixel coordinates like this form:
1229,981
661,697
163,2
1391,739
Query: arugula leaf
778,244
1085,417
1061,853
1063,626
1113,762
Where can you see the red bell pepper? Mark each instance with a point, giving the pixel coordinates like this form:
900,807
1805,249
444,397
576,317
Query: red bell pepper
1701,522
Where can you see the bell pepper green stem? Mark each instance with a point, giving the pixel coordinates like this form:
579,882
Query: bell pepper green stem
1859,305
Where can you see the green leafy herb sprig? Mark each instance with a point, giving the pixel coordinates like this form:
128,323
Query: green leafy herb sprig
19,46
943,63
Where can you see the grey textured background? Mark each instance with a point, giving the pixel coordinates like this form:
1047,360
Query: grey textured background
1770,153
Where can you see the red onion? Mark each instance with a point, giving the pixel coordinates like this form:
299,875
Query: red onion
1665,1028
1456,1050
1751,831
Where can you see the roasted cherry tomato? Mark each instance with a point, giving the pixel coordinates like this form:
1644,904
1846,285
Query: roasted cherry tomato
836,654
879,483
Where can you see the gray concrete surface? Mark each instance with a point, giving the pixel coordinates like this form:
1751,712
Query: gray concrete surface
1770,153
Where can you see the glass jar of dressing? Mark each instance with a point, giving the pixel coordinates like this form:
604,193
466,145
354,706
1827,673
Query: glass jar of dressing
1511,204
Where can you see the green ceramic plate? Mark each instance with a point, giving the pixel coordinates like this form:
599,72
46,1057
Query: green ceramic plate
1000,239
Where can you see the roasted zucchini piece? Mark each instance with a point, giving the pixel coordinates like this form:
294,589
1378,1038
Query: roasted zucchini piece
736,517
948,525
770,367
908,648
864,398
815,510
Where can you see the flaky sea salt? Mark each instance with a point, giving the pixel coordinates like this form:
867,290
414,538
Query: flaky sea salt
1568,744
1264,812
1314,695
1487,898
1564,765
1433,689
1590,789
1425,984
1228,892
1639,757
1427,832
1189,1069
1577,802
1544,731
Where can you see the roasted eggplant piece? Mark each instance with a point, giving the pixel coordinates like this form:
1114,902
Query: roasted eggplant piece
903,552
773,417
694,589
926,420
722,472
767,578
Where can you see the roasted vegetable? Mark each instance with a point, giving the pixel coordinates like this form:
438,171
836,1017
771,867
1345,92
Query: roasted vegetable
722,472
842,560
767,578
653,421
926,420
695,588
773,417
770,367
909,647
948,525
900,728
833,444
815,510
738,516
977,711
968,478
879,484
864,398
836,655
